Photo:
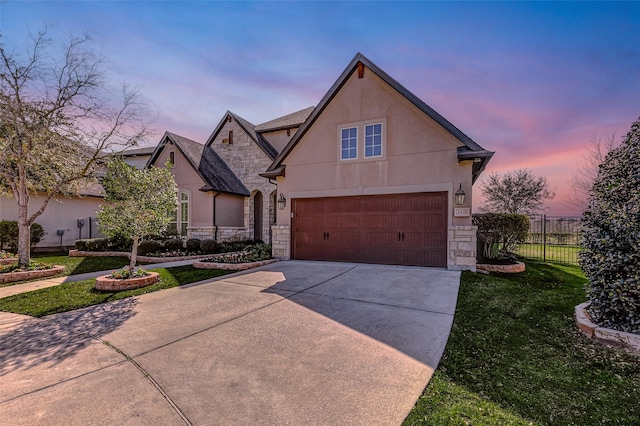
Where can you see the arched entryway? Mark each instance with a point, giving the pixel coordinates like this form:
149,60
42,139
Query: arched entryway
257,216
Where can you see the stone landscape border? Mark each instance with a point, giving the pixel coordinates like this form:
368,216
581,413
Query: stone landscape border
504,269
8,260
11,277
233,266
106,283
607,336
146,259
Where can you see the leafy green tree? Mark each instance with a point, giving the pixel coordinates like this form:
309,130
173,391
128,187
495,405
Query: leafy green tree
57,124
610,256
139,202
517,192
9,234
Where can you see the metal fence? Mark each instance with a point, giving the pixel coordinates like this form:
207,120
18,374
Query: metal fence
552,239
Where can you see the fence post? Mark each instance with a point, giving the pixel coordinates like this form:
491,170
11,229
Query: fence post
544,237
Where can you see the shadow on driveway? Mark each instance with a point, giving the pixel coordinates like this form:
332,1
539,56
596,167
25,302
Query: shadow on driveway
34,342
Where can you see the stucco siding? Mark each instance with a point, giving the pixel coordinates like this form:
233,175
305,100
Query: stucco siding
417,152
61,214
229,210
189,182
279,138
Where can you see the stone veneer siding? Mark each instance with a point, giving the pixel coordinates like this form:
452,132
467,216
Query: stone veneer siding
224,232
462,248
280,241
247,160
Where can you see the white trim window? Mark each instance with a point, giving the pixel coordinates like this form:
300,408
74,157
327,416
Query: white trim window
349,143
373,140
184,213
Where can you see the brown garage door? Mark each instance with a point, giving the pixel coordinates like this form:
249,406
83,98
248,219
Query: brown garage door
399,229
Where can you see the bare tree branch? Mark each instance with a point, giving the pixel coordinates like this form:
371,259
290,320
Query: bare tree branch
56,125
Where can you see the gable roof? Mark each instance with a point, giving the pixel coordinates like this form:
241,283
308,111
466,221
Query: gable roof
295,119
469,151
147,150
213,171
249,128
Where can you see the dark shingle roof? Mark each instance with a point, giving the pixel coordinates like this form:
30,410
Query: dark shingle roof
214,172
147,150
288,121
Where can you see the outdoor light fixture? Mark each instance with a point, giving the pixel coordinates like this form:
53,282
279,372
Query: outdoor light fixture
282,202
460,196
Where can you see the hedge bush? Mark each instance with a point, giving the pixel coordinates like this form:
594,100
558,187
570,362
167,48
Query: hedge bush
209,246
81,245
610,255
9,234
193,245
97,244
174,244
149,246
500,233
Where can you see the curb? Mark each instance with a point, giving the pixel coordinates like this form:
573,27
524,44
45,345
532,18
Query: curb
607,336
504,269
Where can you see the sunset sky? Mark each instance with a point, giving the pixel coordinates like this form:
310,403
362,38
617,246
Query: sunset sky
534,82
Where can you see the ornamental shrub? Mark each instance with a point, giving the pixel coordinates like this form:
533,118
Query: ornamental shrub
193,245
174,244
610,255
81,245
97,244
208,246
9,234
499,234
120,243
149,246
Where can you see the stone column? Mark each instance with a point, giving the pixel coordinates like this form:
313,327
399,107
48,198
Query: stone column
462,248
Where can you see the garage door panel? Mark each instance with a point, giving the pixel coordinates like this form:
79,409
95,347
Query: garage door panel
403,229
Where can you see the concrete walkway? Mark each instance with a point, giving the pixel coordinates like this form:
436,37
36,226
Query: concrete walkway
289,343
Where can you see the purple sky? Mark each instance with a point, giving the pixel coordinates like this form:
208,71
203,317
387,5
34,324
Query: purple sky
534,82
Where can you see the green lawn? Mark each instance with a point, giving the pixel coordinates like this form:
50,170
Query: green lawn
77,265
515,357
552,253
76,295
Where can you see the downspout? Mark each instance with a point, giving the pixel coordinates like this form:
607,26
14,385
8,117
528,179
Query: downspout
215,226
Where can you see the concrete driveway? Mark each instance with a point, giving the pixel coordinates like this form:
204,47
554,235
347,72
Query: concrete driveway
291,343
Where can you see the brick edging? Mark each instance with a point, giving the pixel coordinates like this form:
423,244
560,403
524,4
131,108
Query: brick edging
607,336
106,283
233,266
11,277
504,269
8,260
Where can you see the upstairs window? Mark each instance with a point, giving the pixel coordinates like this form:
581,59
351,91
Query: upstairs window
373,140
172,158
349,143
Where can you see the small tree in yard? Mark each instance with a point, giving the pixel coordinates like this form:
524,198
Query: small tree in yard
138,203
56,124
518,192
610,256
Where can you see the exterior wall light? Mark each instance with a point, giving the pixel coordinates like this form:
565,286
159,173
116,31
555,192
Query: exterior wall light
459,195
282,202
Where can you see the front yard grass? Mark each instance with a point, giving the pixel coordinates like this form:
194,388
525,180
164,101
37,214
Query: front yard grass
76,295
76,265
516,357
